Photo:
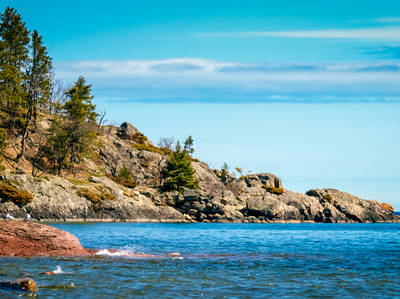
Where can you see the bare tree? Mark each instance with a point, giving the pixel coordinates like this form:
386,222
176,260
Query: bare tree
167,144
57,97
101,120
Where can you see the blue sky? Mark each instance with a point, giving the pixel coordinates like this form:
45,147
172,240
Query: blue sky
308,90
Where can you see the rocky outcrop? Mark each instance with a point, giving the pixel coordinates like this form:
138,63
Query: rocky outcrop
57,199
344,206
126,131
256,197
26,239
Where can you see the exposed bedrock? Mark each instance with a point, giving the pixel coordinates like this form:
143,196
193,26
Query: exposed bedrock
259,197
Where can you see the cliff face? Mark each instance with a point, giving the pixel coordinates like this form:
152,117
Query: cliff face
91,195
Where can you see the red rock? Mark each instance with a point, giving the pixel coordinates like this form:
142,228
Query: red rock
18,238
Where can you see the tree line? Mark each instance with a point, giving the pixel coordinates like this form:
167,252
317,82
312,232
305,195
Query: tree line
28,92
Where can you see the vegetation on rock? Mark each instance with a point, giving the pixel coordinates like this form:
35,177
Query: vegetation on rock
95,196
125,178
178,171
70,136
223,173
19,197
273,190
327,197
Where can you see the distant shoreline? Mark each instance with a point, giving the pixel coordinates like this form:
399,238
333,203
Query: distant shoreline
109,220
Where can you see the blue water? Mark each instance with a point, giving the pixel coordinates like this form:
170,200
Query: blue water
222,261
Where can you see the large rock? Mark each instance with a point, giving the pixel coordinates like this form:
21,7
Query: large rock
263,179
350,207
18,238
126,131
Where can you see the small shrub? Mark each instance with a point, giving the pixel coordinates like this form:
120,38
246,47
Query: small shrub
125,173
129,183
148,147
95,197
327,197
273,190
139,138
11,194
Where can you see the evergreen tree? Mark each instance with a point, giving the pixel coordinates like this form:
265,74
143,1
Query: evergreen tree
178,171
188,145
38,85
14,40
81,115
70,137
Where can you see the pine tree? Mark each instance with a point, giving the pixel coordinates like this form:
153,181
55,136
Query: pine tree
188,145
71,136
81,115
178,171
14,40
38,85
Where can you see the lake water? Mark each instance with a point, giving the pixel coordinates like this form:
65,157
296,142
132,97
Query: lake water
221,261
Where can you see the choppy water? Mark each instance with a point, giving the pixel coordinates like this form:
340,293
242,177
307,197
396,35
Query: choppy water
221,261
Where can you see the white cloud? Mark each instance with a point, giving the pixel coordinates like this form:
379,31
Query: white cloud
192,78
391,33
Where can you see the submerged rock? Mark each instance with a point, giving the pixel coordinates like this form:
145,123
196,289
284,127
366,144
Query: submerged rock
18,238
25,284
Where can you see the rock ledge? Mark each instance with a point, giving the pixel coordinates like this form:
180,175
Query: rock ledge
27,239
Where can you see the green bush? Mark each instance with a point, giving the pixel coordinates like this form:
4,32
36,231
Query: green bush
273,190
11,194
327,197
125,173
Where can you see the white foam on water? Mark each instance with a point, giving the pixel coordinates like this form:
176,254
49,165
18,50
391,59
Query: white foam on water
123,252
58,270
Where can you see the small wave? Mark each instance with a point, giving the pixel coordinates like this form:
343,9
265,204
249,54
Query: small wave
123,252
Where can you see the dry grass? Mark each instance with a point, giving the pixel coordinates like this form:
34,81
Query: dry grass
95,196
11,194
273,190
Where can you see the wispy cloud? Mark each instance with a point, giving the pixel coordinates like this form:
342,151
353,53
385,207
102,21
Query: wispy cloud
391,33
387,20
190,79
384,51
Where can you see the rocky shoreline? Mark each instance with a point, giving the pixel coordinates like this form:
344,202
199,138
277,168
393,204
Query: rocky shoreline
94,195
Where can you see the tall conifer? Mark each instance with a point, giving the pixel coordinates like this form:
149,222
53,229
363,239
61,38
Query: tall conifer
38,85
14,40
